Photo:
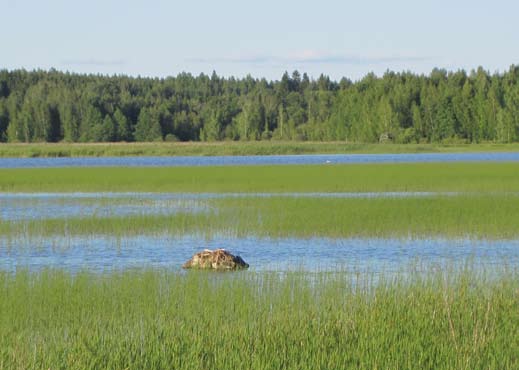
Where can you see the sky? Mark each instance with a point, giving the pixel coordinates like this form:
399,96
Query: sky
160,38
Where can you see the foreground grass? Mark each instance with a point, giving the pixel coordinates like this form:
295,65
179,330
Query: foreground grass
157,319
233,148
478,216
464,177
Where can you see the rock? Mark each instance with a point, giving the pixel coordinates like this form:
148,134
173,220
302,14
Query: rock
219,259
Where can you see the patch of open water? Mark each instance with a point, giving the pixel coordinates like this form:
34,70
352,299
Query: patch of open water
102,254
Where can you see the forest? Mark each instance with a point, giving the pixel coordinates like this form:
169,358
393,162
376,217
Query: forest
441,107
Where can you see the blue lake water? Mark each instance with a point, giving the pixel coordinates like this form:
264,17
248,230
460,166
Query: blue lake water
256,160
101,254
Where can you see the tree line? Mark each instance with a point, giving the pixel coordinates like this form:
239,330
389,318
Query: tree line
51,106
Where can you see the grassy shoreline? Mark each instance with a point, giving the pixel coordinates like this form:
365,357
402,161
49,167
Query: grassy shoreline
447,177
234,148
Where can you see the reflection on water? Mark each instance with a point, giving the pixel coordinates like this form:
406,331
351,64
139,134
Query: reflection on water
316,254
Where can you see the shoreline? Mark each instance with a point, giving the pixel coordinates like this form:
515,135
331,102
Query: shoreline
226,148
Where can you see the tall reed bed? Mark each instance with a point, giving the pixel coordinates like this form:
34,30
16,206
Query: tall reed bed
161,319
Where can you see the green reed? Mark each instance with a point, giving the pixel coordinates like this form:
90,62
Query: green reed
465,216
462,177
160,319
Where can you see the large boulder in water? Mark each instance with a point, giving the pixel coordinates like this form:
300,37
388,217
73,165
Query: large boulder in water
219,259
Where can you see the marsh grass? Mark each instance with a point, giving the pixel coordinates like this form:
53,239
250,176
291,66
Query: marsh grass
476,216
454,177
232,148
451,319
161,319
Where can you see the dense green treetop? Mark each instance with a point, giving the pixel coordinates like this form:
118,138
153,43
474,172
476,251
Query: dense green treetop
51,106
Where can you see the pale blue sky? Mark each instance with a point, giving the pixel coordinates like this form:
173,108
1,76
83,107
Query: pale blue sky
261,38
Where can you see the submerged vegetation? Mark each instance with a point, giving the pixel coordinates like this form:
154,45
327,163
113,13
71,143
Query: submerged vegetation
159,319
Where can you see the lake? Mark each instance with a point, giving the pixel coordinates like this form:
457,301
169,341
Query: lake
304,159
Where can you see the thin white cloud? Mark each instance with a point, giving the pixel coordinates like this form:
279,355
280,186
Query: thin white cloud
310,57
93,62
